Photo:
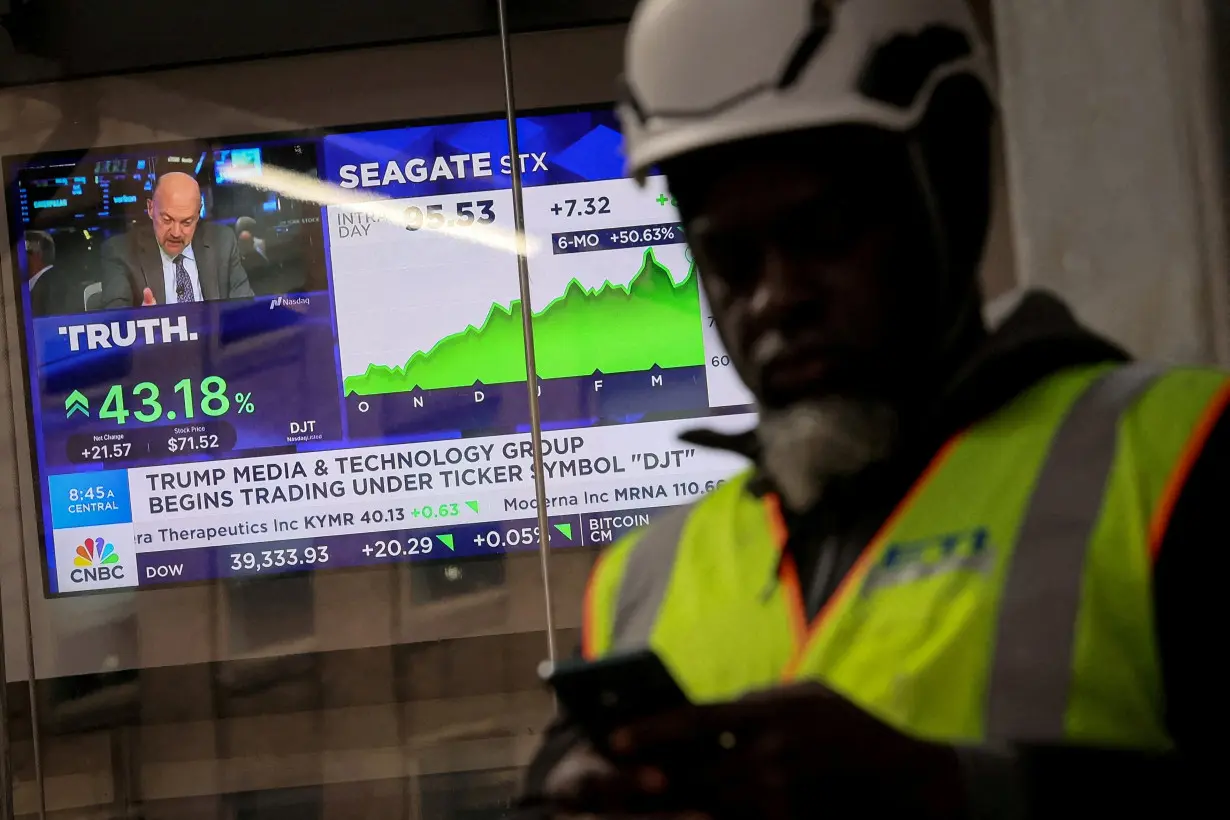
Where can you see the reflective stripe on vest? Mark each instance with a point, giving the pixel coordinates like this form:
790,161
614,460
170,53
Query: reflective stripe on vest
646,577
1032,662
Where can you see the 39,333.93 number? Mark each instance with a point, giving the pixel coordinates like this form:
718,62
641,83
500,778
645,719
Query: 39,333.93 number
285,558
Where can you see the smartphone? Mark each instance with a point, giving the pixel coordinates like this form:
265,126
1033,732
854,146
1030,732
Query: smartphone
602,695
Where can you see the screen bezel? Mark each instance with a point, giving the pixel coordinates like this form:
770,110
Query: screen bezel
11,164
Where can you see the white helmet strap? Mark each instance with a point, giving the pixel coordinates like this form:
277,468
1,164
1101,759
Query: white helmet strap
950,278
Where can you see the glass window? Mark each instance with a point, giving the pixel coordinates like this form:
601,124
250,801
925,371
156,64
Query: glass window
272,484
625,352
273,530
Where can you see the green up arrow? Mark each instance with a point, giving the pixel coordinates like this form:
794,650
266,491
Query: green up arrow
565,530
77,403
446,540
472,505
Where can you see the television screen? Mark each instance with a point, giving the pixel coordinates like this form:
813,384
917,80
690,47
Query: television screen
297,353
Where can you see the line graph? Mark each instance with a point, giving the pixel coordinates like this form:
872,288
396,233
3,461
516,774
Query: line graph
653,321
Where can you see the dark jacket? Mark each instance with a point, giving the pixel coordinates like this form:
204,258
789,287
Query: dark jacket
53,293
1039,338
131,263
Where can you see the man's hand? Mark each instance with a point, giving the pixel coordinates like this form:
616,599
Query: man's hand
790,752
586,783
148,298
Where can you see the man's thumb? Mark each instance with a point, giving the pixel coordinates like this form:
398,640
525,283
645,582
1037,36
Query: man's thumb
149,298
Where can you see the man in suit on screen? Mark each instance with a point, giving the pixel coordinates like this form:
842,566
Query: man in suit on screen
47,286
180,260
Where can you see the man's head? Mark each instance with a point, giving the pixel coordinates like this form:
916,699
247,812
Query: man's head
40,251
175,210
831,162
843,260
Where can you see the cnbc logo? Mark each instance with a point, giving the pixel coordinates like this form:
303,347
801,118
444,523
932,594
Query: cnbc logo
96,560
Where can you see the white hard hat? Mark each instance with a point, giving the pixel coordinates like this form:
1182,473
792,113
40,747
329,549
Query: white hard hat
701,73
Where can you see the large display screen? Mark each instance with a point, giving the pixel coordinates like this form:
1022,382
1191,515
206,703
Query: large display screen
363,399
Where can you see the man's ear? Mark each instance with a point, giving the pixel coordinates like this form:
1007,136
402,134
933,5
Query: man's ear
149,208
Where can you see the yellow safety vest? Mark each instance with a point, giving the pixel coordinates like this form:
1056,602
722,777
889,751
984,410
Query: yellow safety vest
1008,597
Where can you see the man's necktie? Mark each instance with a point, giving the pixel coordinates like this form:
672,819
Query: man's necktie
183,282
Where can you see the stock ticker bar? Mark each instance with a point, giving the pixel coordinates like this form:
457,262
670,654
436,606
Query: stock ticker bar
387,547
265,515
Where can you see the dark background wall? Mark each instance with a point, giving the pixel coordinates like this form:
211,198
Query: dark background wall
44,40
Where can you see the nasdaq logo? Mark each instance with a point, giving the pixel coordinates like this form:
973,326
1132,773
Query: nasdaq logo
904,562
290,302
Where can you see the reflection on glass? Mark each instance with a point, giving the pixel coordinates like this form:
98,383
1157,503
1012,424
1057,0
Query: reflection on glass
288,538
623,339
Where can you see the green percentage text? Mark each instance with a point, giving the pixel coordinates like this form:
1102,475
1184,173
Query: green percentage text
148,404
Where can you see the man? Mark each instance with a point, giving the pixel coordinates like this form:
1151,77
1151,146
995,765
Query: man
253,254
971,573
249,242
46,287
180,260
